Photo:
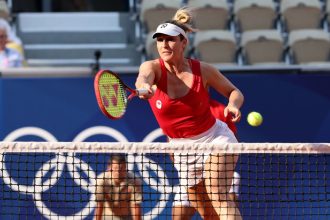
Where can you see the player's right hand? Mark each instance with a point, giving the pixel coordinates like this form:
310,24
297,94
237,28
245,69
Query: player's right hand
150,89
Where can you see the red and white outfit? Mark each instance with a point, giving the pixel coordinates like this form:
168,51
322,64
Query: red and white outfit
181,195
188,119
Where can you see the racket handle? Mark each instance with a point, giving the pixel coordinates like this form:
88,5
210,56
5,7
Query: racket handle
141,92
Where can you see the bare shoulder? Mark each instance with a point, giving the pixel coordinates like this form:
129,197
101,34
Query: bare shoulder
101,178
150,65
102,175
206,67
133,179
210,73
150,68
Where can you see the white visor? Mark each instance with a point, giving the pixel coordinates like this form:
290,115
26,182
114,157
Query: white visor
169,29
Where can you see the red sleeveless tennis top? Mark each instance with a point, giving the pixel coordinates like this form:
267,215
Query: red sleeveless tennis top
186,116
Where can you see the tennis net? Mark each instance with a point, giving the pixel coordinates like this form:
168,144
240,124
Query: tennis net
60,180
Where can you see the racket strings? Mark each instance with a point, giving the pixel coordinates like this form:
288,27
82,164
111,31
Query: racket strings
113,95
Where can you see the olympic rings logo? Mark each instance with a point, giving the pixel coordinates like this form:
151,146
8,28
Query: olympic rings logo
68,161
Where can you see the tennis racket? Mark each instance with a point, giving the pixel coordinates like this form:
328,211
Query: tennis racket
113,94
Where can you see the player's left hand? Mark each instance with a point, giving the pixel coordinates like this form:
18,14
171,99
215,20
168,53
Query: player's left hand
234,112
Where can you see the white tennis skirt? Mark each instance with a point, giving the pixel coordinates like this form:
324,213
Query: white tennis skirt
191,166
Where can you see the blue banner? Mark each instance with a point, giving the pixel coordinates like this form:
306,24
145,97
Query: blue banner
295,108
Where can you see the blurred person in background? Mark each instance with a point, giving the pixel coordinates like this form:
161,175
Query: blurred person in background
12,37
9,57
118,192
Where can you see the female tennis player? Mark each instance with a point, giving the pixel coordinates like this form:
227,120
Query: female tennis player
181,106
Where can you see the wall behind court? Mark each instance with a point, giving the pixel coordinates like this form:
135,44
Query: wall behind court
295,107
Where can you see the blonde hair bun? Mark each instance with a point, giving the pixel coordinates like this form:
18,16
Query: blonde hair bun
183,16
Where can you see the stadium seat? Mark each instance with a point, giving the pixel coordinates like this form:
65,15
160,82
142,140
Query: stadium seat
210,14
215,46
254,14
150,46
301,14
72,39
308,46
154,12
262,47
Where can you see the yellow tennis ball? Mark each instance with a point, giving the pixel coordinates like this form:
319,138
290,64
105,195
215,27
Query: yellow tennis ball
254,119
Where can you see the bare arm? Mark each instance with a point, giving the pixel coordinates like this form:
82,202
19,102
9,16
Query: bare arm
213,78
136,211
147,77
100,197
233,197
136,199
99,211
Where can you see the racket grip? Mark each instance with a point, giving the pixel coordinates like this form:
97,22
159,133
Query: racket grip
141,92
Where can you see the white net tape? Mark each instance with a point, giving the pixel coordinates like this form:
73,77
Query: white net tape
139,147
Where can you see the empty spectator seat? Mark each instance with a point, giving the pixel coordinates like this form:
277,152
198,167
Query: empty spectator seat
255,14
301,14
210,14
308,46
215,46
155,12
262,46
